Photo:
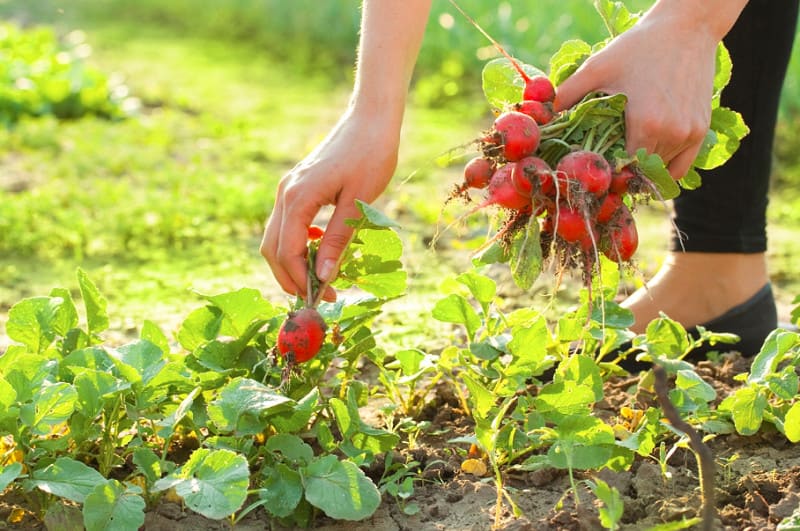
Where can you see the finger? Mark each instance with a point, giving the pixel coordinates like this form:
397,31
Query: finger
269,250
292,249
336,238
575,87
679,166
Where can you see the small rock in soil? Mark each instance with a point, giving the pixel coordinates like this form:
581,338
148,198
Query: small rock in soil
785,508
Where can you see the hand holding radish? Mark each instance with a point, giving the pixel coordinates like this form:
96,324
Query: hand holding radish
355,161
665,66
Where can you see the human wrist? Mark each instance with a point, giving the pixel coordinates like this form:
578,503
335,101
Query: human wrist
714,18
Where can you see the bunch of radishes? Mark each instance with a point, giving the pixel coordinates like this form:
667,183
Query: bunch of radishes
581,199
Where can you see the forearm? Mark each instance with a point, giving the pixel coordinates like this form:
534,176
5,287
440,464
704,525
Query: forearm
391,37
716,17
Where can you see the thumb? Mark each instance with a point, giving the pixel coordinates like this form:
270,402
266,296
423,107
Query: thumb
335,241
574,88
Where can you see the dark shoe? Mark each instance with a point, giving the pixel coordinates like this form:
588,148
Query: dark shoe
752,321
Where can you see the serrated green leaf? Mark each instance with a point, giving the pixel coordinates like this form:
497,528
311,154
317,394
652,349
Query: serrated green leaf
727,129
93,386
139,362
691,181
241,307
148,463
456,309
241,405
212,482
297,418
482,399
94,303
52,404
746,406
777,343
567,59
113,507
340,489
291,447
8,474
480,286
723,70
281,490
791,423
67,478
201,325
526,255
616,16
583,442
372,218
152,333
652,166
694,386
35,321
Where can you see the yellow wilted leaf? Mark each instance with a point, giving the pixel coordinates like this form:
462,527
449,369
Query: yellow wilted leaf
172,496
621,432
140,482
476,467
16,516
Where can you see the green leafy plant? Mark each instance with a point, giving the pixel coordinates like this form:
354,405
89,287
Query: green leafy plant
40,75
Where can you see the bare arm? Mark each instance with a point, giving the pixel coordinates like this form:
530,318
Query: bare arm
357,158
665,65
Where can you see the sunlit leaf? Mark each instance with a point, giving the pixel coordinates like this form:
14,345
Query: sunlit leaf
212,482
340,489
112,506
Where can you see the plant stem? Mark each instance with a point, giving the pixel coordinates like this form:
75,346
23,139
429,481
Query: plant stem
702,452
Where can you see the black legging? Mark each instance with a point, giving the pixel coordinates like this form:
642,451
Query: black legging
727,213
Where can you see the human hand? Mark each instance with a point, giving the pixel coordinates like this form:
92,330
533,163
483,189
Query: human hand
355,161
665,65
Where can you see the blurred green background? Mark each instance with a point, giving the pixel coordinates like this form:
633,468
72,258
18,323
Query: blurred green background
226,96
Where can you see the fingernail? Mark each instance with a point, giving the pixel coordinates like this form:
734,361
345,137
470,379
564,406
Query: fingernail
325,272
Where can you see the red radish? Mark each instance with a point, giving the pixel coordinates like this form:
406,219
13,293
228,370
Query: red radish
301,335
538,88
587,168
517,133
529,170
609,206
590,240
478,172
315,232
570,224
623,239
541,112
502,191
620,180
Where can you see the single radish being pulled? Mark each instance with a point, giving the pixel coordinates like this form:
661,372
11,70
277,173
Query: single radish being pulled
516,133
589,169
301,335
